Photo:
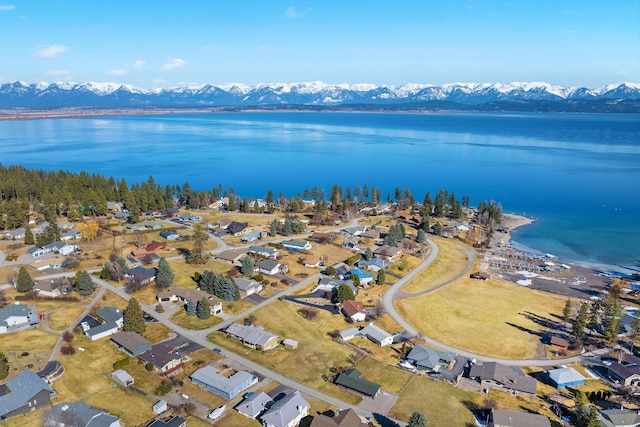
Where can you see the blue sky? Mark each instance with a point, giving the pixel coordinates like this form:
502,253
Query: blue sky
160,43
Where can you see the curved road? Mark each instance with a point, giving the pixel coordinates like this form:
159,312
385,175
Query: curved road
389,297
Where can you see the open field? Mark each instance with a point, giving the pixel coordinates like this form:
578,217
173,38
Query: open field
495,317
389,377
403,266
133,408
36,343
156,332
317,352
65,318
450,261
181,318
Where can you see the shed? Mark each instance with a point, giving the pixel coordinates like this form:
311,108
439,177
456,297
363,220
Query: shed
159,407
287,342
122,377
565,377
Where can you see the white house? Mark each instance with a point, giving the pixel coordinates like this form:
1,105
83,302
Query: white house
18,316
297,245
377,335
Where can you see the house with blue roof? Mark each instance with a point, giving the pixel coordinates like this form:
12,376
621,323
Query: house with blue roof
23,394
365,278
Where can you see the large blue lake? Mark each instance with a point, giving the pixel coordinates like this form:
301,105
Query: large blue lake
578,175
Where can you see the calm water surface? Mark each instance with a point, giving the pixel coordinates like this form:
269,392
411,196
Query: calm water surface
578,175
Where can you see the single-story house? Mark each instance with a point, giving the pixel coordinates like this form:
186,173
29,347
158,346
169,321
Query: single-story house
619,418
296,245
159,407
388,253
353,310
253,236
265,251
23,394
565,377
352,243
114,206
184,295
227,387
430,359
95,330
17,234
175,421
371,234
248,286
122,377
47,263
165,361
355,230
377,335
509,418
492,374
343,418
365,278
71,235
237,228
131,342
352,379
37,252
254,405
14,317
101,331
349,334
47,288
112,315
253,336
268,266
374,264
480,275
190,217
220,224
625,375
286,412
144,275
170,235
231,256
312,261
85,415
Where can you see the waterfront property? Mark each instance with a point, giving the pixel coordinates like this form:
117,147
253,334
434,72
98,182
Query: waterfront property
227,387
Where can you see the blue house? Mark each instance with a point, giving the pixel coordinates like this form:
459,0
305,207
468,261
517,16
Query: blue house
227,387
565,377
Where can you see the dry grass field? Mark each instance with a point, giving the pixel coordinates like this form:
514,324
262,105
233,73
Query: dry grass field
28,349
450,261
193,322
133,408
65,318
495,317
391,379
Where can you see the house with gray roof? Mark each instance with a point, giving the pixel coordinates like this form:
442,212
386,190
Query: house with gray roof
254,405
36,252
492,374
377,335
17,234
83,415
175,421
131,343
253,236
15,317
71,235
112,315
23,394
352,379
286,412
237,228
122,377
509,418
265,251
231,256
343,418
373,264
296,245
227,387
112,318
253,336
144,275
430,359
170,235
248,286
269,266
619,418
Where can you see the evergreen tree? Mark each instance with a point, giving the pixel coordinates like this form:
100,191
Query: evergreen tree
28,236
25,282
355,279
230,291
164,276
204,309
343,293
611,321
247,267
273,228
566,313
133,318
4,367
191,308
382,277
581,321
417,420
85,284
422,237
368,254
207,281
198,255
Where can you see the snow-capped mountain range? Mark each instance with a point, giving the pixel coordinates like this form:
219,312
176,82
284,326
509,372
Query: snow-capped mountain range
114,95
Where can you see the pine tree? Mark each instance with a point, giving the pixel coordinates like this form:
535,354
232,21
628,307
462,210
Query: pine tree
417,420
191,308
164,276
247,267
197,253
4,367
343,293
368,254
273,228
382,277
133,318
566,313
25,282
85,284
422,237
204,309
230,291
28,237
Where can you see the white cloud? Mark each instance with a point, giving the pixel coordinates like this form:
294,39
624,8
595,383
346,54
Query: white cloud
293,12
118,72
50,51
139,64
7,7
173,63
159,82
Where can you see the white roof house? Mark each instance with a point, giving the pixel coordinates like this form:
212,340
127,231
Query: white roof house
377,335
286,412
254,405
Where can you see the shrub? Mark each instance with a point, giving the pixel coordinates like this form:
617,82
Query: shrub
149,366
119,364
68,350
308,313
164,388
